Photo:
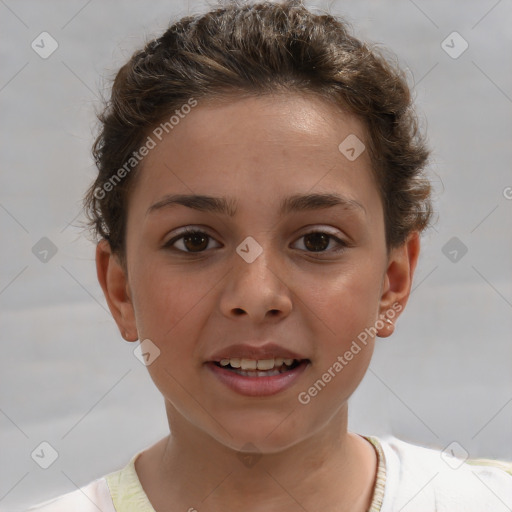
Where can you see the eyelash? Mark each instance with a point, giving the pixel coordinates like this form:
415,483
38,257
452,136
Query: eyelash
342,245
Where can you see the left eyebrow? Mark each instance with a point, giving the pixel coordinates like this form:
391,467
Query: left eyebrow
228,206
304,202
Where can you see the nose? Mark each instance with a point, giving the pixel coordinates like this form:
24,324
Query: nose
257,290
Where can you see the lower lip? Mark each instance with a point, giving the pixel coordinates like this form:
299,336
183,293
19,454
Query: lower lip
258,386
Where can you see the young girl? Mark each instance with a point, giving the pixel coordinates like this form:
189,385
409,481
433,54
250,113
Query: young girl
259,204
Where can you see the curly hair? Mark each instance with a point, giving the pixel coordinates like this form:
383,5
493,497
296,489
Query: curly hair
255,49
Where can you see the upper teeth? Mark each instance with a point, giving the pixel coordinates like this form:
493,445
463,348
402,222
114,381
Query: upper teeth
256,364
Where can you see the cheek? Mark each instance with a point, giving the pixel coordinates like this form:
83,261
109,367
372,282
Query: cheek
168,307
344,304
343,311
165,299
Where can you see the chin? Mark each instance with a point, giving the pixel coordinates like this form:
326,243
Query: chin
267,432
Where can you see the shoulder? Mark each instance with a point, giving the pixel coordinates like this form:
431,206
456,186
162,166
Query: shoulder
424,479
90,498
115,492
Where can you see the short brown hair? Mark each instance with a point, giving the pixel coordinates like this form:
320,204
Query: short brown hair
254,49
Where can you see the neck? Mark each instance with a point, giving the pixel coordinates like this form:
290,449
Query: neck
331,470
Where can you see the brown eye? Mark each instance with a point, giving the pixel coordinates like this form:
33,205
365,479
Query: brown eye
190,241
196,242
319,241
316,241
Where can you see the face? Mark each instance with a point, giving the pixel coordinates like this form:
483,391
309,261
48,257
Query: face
283,268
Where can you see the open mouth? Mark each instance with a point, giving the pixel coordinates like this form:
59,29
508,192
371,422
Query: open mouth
250,376
259,367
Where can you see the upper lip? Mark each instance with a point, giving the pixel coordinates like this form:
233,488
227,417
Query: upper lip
253,350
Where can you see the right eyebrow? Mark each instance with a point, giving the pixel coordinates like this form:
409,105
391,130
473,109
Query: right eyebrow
202,203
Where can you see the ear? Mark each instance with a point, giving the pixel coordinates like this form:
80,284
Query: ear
397,282
114,282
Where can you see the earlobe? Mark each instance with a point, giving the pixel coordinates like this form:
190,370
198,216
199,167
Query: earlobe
114,283
398,282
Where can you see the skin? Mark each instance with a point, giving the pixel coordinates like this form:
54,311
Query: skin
257,151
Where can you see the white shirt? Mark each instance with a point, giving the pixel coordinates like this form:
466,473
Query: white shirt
410,479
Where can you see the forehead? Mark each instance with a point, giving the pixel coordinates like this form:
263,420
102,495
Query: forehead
270,145
295,122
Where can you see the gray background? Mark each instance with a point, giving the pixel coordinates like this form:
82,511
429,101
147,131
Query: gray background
68,378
